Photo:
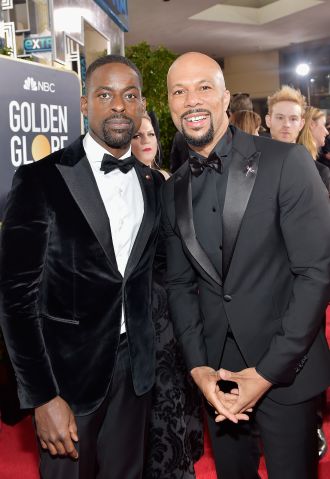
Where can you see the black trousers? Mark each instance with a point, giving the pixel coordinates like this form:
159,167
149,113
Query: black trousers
112,440
287,433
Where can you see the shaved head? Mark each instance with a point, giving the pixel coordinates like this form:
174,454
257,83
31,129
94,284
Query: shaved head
198,100
198,60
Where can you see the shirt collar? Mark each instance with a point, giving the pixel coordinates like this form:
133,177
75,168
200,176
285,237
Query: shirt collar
94,151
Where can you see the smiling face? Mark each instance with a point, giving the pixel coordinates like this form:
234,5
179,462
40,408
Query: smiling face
144,143
319,131
113,106
198,100
285,121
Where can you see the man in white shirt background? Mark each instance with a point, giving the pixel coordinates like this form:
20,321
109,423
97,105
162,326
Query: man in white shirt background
78,241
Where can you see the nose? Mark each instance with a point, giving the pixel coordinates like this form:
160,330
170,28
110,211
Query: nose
144,139
117,104
192,99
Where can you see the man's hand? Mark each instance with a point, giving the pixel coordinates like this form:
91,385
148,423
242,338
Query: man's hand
206,379
250,388
56,428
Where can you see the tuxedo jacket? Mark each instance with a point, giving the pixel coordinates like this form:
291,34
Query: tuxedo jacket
273,286
62,291
324,172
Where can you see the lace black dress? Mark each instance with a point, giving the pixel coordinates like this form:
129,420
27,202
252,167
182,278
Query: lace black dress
176,427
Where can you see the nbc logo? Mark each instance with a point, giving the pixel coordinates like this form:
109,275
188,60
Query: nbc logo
30,84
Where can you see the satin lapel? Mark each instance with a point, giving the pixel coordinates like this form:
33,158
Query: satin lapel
184,215
242,174
148,191
80,180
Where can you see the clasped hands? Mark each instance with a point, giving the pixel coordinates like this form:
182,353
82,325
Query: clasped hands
233,405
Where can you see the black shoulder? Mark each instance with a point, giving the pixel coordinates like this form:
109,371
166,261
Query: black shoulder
68,155
271,144
158,177
324,172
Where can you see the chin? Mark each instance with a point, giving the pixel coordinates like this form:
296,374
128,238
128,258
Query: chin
147,160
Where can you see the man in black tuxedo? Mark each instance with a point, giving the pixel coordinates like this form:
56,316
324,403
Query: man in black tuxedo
78,242
248,252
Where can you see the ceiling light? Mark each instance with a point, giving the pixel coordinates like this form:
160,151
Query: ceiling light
302,69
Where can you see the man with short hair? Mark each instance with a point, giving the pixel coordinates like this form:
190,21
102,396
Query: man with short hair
248,275
78,241
285,117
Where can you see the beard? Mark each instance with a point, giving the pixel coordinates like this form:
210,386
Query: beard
198,141
118,138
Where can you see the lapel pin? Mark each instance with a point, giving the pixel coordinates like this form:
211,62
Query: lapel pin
249,169
148,177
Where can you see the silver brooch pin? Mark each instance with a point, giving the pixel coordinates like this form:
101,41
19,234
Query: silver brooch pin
249,169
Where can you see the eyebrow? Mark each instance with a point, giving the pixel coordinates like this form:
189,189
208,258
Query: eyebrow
289,116
198,83
109,88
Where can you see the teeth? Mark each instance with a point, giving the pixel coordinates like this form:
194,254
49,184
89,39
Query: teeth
196,118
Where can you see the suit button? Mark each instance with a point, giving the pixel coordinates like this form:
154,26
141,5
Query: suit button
227,298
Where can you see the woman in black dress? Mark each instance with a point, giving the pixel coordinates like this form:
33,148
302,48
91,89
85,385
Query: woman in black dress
176,426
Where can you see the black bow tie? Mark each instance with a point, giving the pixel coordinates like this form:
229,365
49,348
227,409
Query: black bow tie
110,163
197,165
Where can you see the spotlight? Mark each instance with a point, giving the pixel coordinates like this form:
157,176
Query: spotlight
302,69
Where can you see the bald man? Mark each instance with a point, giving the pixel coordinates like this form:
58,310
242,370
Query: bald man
248,275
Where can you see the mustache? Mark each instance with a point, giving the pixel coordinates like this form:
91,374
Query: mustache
194,110
118,116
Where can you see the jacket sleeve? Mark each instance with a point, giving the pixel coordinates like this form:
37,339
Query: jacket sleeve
182,290
305,226
24,238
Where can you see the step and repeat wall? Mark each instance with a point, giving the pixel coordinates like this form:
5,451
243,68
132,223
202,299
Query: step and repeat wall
40,113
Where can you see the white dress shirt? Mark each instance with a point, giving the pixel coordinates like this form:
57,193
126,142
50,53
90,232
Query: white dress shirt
122,197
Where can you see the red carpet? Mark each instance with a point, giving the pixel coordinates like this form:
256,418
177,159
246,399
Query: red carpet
18,450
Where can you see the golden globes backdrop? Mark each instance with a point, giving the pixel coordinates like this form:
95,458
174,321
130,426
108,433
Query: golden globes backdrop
40,113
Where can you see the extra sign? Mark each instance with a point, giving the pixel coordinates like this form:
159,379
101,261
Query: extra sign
37,44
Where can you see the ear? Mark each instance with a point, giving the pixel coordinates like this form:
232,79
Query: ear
144,103
84,106
312,125
226,99
302,124
268,121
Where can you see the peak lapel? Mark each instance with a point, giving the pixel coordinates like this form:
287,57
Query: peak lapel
184,215
149,199
242,173
80,180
